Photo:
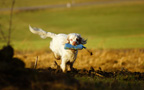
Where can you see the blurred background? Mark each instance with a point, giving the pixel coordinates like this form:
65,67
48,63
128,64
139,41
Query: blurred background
107,24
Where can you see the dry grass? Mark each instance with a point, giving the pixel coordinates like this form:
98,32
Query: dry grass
107,60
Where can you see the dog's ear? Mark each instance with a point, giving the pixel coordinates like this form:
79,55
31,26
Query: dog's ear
82,40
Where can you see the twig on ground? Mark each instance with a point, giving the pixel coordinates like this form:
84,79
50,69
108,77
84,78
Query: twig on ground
99,75
36,63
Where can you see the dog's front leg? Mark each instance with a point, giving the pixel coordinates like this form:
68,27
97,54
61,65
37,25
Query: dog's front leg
63,65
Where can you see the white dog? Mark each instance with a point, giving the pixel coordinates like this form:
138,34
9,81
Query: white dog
57,44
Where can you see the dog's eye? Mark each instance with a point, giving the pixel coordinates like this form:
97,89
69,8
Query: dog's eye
77,39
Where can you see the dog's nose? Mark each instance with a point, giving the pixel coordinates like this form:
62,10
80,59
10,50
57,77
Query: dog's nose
74,43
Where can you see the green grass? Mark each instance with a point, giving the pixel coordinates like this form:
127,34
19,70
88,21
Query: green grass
105,26
24,3
29,3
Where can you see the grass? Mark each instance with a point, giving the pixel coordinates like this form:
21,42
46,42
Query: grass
105,26
109,60
29,3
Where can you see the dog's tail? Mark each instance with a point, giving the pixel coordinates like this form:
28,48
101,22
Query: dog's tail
43,34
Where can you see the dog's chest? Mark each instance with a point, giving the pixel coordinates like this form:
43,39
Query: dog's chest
72,55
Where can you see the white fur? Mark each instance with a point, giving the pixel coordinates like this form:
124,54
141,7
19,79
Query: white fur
68,57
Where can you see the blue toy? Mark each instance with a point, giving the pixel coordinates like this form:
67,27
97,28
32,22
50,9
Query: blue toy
78,47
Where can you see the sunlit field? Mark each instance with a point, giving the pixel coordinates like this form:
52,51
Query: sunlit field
108,60
114,33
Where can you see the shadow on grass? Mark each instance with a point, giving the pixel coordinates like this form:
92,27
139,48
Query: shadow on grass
14,75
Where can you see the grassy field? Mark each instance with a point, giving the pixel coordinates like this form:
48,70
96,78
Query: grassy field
105,26
29,3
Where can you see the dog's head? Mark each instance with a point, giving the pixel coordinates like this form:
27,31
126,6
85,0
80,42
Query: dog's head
75,39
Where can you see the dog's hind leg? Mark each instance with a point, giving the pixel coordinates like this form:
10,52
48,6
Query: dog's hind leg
58,57
71,66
